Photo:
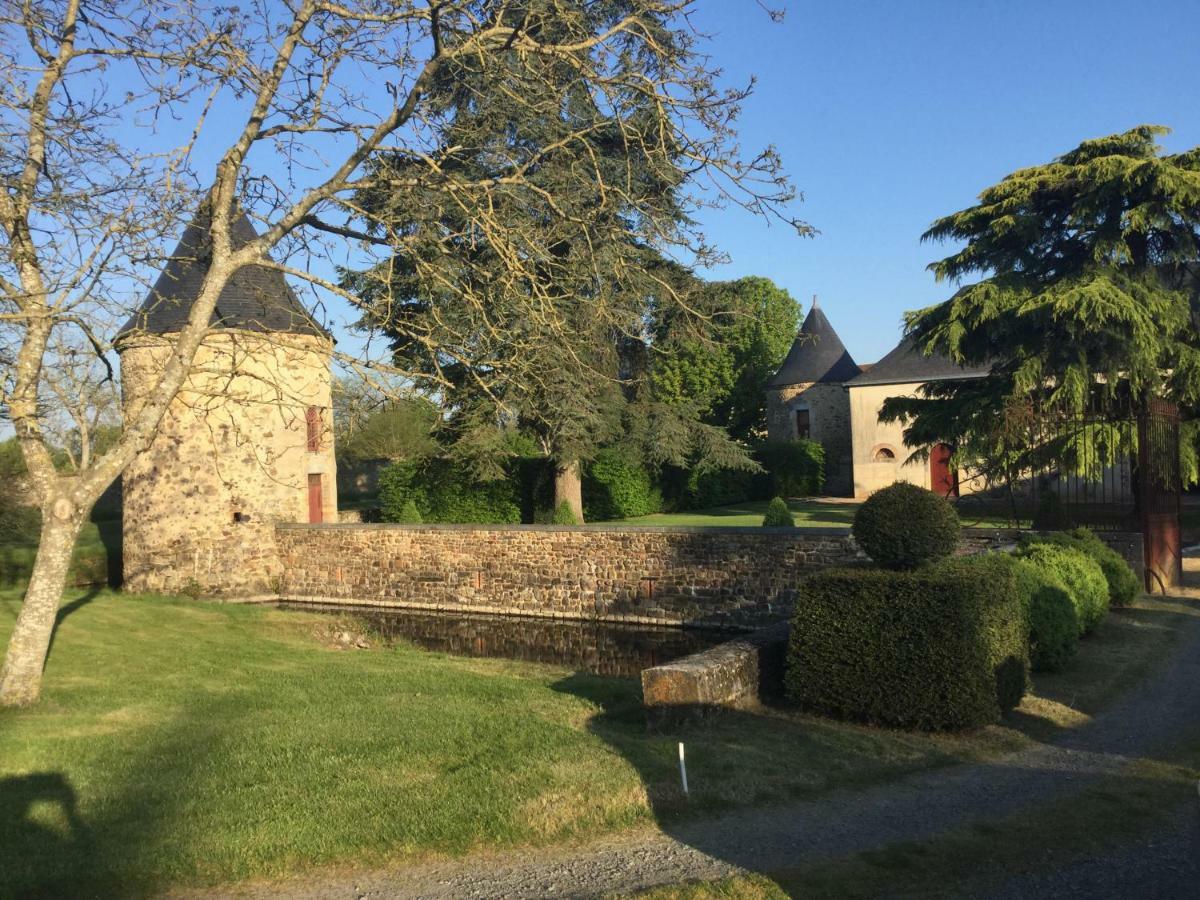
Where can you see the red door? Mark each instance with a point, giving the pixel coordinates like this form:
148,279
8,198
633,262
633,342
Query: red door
314,499
943,479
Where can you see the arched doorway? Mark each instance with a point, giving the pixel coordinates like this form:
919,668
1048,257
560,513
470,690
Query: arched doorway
943,479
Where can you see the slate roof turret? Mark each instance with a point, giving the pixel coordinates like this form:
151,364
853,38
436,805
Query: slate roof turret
255,298
817,355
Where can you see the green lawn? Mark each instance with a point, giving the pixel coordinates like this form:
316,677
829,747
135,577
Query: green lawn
808,513
181,743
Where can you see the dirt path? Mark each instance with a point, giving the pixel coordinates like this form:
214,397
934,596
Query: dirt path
1159,712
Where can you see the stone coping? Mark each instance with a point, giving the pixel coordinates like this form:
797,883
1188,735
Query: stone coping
798,531
351,603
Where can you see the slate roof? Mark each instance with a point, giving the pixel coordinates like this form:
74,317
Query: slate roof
905,364
254,299
817,355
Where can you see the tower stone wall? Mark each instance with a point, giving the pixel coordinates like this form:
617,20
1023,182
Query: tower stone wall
231,459
829,425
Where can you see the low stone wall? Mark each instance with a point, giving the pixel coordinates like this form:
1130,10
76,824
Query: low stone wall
733,577
739,674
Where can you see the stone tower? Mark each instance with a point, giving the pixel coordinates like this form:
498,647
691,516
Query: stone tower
806,398
245,444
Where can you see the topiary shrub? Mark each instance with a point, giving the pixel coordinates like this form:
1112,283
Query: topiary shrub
1050,612
1123,585
796,468
409,513
564,515
903,526
778,515
616,486
1079,573
939,648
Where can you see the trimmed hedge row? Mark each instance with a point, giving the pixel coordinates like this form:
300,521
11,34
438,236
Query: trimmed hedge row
616,486
443,492
1050,611
938,648
1123,586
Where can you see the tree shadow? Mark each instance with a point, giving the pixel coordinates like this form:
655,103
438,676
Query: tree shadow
40,821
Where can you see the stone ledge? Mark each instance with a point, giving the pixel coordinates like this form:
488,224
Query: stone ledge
800,532
735,675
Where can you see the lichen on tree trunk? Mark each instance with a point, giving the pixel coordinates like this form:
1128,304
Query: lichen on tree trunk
21,677
568,487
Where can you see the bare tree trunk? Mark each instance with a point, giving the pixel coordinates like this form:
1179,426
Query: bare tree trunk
21,677
568,487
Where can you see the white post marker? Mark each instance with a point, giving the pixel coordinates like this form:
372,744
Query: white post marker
683,769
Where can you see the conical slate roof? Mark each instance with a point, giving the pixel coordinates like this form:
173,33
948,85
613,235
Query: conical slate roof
817,355
906,364
254,299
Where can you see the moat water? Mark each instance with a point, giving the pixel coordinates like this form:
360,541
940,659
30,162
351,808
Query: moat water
601,648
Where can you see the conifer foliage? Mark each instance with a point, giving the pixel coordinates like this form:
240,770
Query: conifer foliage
1088,286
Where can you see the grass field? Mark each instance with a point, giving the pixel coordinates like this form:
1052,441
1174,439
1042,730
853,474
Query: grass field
180,743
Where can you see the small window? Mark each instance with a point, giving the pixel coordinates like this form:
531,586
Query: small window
885,454
313,419
803,428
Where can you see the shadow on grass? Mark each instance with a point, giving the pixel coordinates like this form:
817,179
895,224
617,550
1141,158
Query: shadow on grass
1127,761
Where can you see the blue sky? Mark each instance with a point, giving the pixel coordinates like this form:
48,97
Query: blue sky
890,114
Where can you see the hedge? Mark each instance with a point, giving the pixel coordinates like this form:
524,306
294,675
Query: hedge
1050,612
616,486
903,526
938,648
1079,573
444,492
1123,586
794,468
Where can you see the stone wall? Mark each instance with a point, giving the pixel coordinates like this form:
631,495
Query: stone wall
829,425
230,459
713,576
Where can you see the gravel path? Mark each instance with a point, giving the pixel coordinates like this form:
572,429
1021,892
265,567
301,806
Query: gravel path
1159,712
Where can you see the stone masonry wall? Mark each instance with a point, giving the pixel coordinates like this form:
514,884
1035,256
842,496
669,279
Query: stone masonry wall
712,576
230,459
829,423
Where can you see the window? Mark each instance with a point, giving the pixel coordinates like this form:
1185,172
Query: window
802,425
885,454
313,419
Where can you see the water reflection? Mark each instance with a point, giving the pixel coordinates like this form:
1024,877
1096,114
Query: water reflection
602,648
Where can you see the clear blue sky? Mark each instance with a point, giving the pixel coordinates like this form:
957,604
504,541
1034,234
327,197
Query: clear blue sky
889,114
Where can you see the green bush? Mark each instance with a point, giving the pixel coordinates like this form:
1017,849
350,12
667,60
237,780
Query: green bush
706,488
444,492
564,515
938,648
795,468
1123,586
1081,575
1050,611
409,514
778,515
903,526
615,486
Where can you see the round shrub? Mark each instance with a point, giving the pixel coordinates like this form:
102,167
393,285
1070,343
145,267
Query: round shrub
1080,574
903,526
778,515
1123,586
1053,622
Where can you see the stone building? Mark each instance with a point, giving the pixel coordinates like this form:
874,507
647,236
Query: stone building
820,393
806,399
247,443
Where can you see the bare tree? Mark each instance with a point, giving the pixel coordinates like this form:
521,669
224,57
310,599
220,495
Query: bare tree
118,118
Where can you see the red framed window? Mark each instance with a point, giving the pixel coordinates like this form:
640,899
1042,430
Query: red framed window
313,420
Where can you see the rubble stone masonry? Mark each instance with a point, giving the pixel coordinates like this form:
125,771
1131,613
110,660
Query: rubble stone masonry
714,576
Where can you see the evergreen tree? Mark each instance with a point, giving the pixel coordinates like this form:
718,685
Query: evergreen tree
541,304
1087,299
